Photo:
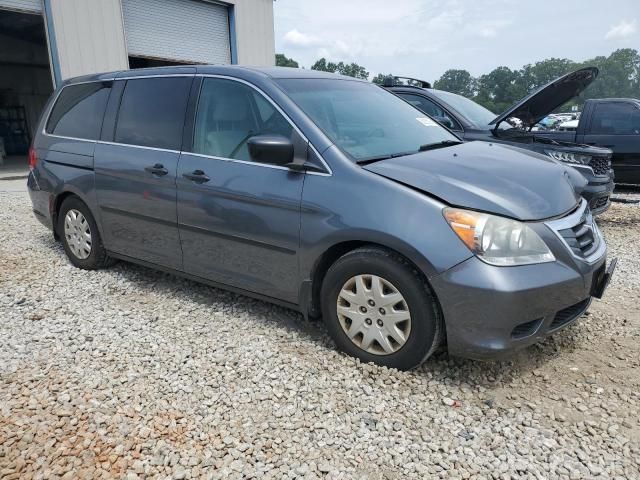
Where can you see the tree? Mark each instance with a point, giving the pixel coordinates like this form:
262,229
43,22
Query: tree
619,75
541,73
283,61
457,81
351,70
497,89
379,78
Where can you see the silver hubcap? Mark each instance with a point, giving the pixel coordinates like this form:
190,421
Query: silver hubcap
374,314
77,233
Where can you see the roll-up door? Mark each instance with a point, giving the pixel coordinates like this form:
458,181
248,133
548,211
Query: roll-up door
24,5
190,31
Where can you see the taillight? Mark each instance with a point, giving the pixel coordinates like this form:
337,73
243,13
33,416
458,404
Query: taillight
33,158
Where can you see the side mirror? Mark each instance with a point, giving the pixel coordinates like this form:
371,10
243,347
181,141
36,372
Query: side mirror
273,149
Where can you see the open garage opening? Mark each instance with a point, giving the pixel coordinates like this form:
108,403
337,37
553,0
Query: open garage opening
148,62
25,83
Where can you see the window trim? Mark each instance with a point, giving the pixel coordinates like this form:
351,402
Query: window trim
327,173
55,102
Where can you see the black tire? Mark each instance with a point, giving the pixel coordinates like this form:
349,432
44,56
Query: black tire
427,328
98,257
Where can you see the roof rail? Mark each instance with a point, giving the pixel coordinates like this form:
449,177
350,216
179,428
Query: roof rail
393,81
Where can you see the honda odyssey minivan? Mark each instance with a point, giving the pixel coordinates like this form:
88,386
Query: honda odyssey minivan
322,193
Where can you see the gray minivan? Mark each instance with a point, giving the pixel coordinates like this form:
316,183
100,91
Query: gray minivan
322,193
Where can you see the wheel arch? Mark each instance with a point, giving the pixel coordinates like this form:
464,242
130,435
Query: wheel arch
310,296
58,200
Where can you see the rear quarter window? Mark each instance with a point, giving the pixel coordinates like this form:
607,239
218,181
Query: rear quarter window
79,110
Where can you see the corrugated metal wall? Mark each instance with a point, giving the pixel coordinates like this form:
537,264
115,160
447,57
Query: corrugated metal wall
89,36
186,30
27,5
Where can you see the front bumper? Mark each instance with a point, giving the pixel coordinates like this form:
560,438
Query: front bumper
489,310
492,310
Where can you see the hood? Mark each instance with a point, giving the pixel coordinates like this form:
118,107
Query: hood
537,105
489,177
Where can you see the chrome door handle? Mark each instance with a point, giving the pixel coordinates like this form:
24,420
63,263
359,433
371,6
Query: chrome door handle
197,176
157,169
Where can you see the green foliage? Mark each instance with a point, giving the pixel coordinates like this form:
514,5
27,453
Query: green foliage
502,87
498,89
457,81
379,78
283,61
351,69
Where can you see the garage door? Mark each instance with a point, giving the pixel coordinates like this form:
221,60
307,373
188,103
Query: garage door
25,5
184,30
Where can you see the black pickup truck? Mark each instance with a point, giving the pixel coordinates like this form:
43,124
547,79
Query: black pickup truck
612,123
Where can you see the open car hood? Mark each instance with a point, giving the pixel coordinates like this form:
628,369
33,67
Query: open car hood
537,105
493,178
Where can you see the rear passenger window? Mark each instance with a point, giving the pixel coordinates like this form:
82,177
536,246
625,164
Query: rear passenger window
79,110
152,112
616,119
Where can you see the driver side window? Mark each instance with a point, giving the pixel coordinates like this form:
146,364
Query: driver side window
229,114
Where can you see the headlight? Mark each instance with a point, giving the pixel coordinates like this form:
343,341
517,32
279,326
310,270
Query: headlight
569,157
497,240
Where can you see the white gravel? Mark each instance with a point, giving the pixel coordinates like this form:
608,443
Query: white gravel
132,373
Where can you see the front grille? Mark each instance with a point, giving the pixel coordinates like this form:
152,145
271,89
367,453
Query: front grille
568,314
600,165
581,238
597,203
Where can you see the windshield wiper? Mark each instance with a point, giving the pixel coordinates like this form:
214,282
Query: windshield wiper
443,144
365,161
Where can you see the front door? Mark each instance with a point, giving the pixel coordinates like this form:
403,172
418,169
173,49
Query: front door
135,173
239,220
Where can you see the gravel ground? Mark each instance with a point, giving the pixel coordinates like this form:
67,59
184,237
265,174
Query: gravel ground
133,373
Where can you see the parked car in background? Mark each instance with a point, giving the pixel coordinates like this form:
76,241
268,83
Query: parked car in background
323,193
568,126
613,123
472,121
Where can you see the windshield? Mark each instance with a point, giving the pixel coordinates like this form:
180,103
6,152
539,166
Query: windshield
474,112
364,120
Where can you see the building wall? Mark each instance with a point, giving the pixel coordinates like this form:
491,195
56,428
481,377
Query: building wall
255,39
89,36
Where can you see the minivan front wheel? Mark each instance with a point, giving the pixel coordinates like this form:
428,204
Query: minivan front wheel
378,307
80,236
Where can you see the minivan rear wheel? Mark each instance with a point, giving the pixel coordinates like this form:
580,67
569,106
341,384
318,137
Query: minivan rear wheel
379,308
80,236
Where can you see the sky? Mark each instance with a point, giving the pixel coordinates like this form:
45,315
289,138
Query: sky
424,38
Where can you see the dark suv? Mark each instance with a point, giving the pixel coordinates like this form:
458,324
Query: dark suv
472,121
321,193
